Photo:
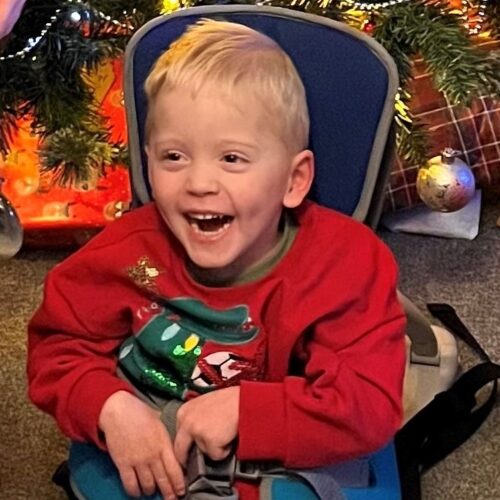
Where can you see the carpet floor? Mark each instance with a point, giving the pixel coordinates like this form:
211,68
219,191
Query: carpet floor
465,274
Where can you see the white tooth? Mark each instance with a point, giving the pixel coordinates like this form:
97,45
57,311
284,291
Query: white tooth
206,216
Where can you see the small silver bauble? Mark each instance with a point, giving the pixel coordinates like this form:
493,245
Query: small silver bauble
11,230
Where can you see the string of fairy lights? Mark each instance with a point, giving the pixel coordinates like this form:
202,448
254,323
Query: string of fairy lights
368,6
75,16
33,42
467,5
481,13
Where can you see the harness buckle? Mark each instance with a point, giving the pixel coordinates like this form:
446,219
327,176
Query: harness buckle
201,466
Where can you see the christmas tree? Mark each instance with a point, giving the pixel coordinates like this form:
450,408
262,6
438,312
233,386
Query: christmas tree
46,60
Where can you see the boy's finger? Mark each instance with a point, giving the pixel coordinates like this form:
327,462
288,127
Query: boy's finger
174,472
146,479
182,445
129,481
216,452
162,480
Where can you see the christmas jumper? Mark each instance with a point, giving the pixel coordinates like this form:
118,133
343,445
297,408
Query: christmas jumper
317,344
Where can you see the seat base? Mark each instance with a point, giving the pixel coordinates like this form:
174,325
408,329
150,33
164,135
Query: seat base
90,474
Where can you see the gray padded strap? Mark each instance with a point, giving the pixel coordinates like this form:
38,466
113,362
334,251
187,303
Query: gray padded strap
424,346
327,482
324,485
211,489
209,480
206,481
169,415
351,474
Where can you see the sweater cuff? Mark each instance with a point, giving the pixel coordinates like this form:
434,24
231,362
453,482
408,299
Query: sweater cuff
262,428
86,401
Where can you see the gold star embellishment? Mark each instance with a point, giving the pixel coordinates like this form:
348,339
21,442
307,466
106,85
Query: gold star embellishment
143,273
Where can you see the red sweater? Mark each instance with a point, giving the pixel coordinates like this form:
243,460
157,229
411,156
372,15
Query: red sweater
328,311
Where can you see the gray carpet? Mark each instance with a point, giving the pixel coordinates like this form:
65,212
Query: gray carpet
465,274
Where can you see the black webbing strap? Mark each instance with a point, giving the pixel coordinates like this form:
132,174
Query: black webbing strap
450,418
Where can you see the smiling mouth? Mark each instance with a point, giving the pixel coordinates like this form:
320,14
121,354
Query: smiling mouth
211,224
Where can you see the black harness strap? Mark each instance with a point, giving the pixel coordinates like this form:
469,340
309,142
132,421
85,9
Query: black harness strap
450,418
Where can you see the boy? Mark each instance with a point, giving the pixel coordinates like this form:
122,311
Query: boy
229,281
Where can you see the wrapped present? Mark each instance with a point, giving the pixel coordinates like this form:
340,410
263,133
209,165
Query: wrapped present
53,215
474,131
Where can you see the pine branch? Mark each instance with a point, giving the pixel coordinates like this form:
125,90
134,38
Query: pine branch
330,9
390,32
459,69
412,141
7,128
493,19
145,9
35,16
52,88
73,155
48,84
411,137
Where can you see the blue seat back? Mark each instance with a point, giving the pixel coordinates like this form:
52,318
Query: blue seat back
350,81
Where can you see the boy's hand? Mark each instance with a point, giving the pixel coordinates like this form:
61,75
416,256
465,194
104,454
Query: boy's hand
210,421
140,447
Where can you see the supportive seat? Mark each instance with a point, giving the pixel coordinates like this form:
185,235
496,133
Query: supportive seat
351,84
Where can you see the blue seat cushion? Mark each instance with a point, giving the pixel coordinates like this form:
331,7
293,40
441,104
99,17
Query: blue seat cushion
95,477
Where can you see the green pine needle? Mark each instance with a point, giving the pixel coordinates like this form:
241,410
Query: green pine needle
460,70
74,155
7,128
48,83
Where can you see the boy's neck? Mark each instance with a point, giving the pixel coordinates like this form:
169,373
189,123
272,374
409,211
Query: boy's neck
229,276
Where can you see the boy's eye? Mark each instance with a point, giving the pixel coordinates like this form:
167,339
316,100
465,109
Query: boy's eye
172,156
232,158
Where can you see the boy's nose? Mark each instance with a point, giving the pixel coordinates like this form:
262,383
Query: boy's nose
202,179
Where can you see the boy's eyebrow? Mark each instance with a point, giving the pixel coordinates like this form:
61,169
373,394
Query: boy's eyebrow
167,141
235,142
226,143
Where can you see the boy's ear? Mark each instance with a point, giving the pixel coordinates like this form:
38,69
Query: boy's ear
300,180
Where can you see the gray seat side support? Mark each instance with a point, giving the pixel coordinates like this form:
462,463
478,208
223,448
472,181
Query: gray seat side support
424,346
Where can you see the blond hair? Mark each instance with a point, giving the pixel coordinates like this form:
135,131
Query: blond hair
235,57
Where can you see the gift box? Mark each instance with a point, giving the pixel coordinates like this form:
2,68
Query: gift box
474,131
53,215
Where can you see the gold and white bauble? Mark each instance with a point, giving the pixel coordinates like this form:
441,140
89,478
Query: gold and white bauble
445,183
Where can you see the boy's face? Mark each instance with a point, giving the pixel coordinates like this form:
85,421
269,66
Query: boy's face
221,177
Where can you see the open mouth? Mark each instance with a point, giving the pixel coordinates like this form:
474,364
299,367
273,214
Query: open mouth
209,223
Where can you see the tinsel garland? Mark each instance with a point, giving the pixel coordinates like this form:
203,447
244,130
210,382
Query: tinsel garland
47,80
43,68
